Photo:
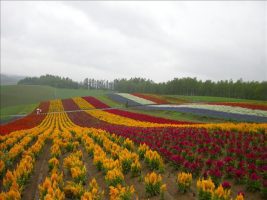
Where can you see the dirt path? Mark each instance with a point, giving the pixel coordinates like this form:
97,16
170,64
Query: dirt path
39,173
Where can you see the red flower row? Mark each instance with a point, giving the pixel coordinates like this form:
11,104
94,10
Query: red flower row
27,122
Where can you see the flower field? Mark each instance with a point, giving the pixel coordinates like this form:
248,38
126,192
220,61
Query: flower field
91,153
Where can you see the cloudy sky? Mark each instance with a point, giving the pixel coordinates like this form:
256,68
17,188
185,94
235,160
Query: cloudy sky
156,40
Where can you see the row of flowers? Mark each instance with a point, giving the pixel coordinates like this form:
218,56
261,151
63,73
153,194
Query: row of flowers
14,181
136,116
152,98
135,98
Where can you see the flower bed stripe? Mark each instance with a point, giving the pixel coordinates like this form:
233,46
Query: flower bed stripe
209,113
139,100
123,100
151,98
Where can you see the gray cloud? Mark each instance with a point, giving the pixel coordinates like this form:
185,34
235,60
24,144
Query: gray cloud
156,40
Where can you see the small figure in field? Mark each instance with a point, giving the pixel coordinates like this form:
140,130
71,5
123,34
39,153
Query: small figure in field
126,104
38,111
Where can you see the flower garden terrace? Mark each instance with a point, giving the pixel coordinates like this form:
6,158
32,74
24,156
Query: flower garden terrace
88,153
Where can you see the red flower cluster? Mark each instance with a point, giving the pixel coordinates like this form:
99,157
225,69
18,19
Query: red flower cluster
95,102
242,105
27,122
151,98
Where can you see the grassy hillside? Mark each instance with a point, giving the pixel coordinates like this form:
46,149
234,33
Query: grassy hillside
14,95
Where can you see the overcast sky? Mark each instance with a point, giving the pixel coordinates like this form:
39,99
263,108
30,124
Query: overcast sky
156,40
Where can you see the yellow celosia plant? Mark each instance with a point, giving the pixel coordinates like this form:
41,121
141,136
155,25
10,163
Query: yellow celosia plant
184,181
154,160
114,177
121,193
205,189
154,185
221,194
94,192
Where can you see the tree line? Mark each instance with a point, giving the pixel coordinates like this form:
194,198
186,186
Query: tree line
178,86
191,86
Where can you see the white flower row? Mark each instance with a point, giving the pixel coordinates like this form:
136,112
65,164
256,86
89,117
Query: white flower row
136,99
220,108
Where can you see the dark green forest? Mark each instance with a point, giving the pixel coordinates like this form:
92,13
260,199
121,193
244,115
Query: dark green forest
192,86
178,86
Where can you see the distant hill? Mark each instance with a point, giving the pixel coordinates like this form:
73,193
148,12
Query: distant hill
10,79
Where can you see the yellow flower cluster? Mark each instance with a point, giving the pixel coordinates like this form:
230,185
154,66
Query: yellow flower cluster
128,144
12,194
50,189
184,181
153,178
154,160
221,193
21,173
76,167
73,190
136,168
93,193
124,157
142,150
114,177
206,189
119,192
2,167
9,140
154,185
205,185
